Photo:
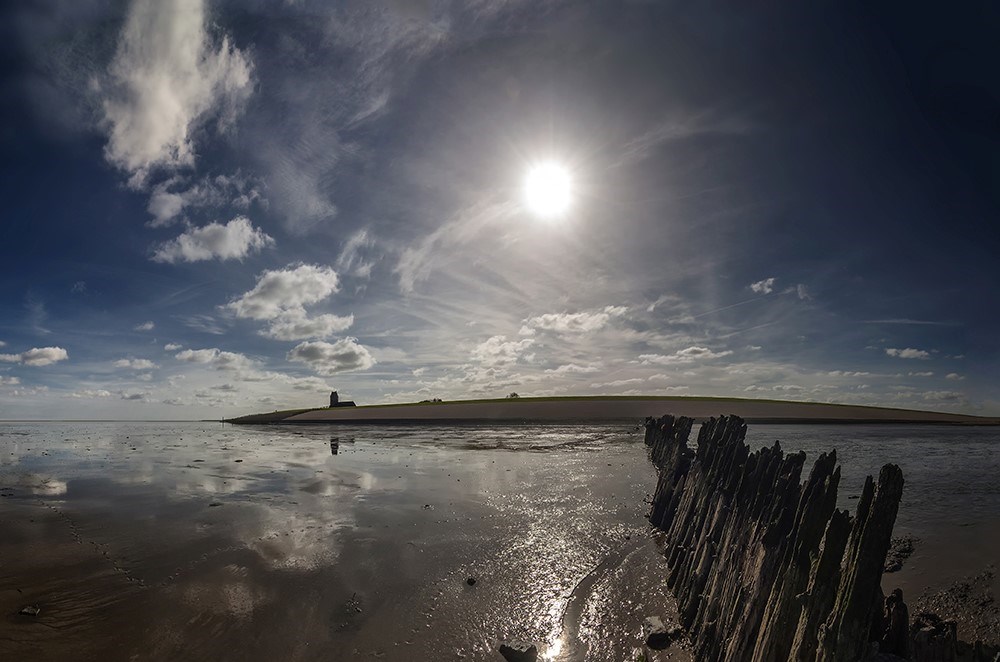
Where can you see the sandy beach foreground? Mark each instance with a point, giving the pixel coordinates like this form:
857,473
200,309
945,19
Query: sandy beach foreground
613,408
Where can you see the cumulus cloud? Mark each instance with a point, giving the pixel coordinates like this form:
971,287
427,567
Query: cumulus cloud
498,351
765,286
232,241
908,353
687,355
37,356
172,347
954,376
9,381
293,326
285,291
145,326
573,322
168,79
135,364
217,358
330,358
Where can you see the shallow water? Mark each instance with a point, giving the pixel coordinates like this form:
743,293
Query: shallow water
166,540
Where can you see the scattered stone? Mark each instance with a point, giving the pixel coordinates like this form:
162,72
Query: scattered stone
214,504
30,610
471,581
900,549
971,603
519,651
237,460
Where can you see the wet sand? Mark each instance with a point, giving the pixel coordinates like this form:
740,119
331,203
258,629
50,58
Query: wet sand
214,543
185,541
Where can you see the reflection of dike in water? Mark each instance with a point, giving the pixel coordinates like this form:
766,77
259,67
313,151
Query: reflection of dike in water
335,444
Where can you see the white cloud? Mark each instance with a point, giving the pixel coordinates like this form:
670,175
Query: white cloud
687,355
232,241
498,351
296,326
168,79
942,396
9,381
572,368
573,322
135,364
90,393
765,286
954,376
145,326
908,353
2,344
172,347
172,197
618,383
331,358
803,292
285,291
216,358
37,356
921,374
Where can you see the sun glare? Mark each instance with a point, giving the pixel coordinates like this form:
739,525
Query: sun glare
547,190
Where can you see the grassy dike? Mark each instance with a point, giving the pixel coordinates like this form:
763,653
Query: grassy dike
609,407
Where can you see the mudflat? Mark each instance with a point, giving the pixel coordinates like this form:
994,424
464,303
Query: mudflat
340,542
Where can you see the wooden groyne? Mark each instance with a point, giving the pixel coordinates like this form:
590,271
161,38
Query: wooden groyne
765,568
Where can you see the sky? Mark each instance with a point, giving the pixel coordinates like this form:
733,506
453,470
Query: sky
212,208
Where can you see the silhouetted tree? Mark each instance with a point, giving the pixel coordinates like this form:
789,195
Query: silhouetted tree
513,395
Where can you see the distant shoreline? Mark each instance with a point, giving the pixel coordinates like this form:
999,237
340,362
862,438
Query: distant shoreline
609,408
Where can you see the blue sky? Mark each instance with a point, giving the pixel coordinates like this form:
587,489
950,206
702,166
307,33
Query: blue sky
212,208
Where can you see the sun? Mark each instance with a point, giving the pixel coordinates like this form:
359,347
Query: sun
548,190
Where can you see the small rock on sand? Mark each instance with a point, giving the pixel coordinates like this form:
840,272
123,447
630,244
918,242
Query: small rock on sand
519,651
30,610
657,635
471,581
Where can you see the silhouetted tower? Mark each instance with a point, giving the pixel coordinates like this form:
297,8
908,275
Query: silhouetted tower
334,398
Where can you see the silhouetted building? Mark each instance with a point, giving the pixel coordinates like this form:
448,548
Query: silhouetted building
335,401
